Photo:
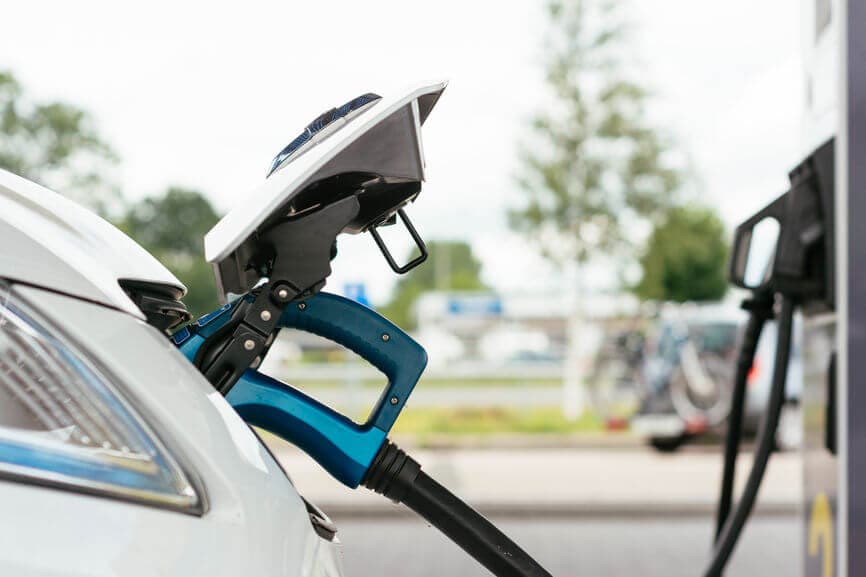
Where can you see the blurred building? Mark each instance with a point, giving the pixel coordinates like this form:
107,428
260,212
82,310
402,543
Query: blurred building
501,328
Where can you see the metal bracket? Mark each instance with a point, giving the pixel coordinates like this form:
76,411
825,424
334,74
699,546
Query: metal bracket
296,253
419,242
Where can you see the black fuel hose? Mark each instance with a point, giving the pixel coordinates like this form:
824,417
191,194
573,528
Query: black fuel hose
766,441
397,476
760,309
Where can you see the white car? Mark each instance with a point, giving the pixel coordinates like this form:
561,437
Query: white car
116,456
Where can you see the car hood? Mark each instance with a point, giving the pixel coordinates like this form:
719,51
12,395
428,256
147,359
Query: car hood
54,243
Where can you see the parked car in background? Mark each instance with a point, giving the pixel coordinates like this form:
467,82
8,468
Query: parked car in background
687,373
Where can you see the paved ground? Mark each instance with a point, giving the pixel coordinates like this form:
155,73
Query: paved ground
586,512
626,482
573,547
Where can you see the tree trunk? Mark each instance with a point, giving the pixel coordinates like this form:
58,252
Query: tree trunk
574,367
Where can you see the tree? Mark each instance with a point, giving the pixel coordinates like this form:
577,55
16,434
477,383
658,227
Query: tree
685,258
171,227
57,145
593,168
450,266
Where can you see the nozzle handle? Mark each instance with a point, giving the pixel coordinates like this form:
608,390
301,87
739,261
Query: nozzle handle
344,448
367,333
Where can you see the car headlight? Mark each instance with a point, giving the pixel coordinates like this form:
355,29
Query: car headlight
63,423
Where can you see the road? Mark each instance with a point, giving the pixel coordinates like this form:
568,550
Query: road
577,547
462,390
564,481
587,512
449,397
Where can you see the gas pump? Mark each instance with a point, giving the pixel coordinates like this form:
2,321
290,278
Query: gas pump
833,347
833,173
784,255
820,406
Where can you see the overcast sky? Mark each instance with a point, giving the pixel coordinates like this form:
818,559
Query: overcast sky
205,94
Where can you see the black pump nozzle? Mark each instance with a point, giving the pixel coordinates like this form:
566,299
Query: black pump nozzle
397,476
800,271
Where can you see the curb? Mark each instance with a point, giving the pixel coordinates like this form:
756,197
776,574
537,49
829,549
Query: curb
654,510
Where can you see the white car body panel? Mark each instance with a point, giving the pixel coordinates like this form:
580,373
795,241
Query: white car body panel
255,522
53,242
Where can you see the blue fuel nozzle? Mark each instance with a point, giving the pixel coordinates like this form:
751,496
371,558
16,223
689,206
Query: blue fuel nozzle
344,448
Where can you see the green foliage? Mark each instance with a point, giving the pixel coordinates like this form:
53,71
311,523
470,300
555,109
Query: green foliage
425,422
57,145
171,227
685,258
593,168
450,266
